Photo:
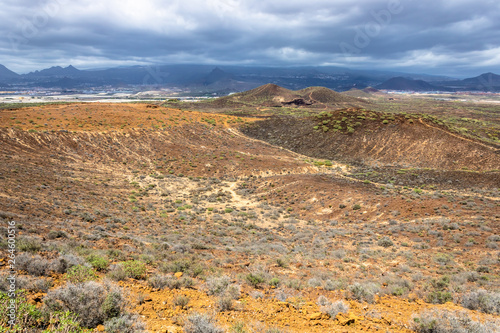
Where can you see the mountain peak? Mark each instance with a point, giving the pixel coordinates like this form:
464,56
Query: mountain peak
57,71
406,84
489,74
217,70
6,73
215,75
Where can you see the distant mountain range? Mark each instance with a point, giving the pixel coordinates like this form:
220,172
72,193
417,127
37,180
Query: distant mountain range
222,80
406,84
7,74
484,82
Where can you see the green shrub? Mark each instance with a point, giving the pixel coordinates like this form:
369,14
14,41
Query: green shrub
134,269
27,314
439,297
181,301
88,217
64,322
282,262
53,234
28,245
224,303
98,262
443,258
111,307
385,242
81,273
254,279
274,282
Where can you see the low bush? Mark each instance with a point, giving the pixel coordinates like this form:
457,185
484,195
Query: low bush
181,301
445,321
134,269
440,293
254,279
185,266
482,300
37,285
117,273
53,234
63,322
64,262
332,309
98,262
385,242
161,281
27,314
27,244
217,285
224,303
92,302
126,323
439,297
274,282
81,273
201,323
364,292
35,265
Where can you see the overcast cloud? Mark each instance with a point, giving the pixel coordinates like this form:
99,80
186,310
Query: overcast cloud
454,37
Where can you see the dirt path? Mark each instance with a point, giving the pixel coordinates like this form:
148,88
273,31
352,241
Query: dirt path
236,132
458,136
311,99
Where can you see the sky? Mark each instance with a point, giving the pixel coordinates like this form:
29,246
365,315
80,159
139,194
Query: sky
449,37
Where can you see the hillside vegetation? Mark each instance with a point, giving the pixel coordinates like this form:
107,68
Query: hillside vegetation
315,216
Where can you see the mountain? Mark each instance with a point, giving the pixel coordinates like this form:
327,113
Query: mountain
370,90
488,82
216,75
266,95
6,74
356,136
56,71
272,95
405,84
357,93
207,79
221,80
325,96
486,77
485,82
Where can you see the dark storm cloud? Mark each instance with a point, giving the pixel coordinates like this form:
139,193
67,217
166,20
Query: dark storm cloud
410,35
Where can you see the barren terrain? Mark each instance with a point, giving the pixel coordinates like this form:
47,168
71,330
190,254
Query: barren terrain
273,220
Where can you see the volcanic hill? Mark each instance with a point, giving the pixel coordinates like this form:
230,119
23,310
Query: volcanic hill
368,137
271,95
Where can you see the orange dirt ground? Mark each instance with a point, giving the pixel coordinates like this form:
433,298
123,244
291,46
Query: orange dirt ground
157,170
